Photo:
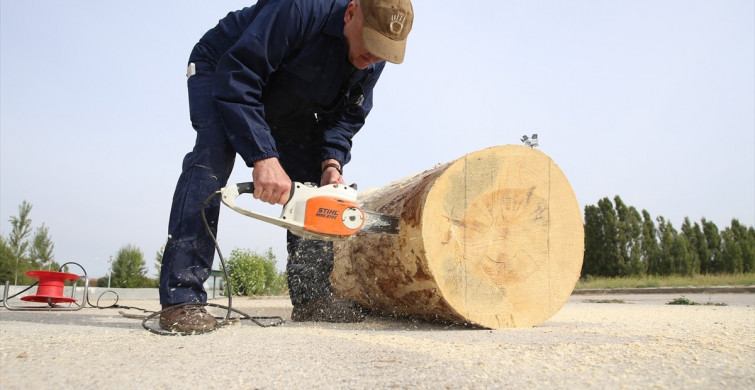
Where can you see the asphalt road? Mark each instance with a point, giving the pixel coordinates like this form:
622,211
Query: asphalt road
632,341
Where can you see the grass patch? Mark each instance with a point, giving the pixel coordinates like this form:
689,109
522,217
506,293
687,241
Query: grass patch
682,301
605,301
747,279
686,301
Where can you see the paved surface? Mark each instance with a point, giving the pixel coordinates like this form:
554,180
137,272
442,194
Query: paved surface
631,341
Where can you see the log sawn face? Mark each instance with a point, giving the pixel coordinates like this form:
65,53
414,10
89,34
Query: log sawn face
493,239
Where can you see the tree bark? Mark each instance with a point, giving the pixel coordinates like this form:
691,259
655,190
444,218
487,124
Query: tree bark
493,239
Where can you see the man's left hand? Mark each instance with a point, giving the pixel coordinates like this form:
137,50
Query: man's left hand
331,175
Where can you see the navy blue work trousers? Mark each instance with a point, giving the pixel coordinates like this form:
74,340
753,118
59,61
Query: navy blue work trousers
189,252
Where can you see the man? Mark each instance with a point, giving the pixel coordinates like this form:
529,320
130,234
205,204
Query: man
285,84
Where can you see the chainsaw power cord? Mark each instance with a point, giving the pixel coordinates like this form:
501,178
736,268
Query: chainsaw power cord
260,321
63,268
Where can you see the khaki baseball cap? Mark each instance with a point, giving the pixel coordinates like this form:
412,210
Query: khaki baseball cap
386,26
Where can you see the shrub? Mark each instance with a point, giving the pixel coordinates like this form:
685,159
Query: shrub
253,274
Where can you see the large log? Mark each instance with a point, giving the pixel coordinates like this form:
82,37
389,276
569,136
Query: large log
493,239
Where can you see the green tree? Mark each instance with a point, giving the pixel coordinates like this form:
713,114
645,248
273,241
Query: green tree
41,250
630,238
731,252
713,239
6,260
17,241
749,250
601,237
619,241
682,258
651,250
743,238
691,258
616,241
129,270
700,246
614,263
593,255
676,257
737,248
666,238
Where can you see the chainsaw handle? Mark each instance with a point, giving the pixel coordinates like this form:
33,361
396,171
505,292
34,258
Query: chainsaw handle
230,193
248,188
245,188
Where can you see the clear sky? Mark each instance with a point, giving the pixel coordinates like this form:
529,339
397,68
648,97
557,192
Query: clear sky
651,100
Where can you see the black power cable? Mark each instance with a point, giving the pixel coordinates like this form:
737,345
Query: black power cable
260,321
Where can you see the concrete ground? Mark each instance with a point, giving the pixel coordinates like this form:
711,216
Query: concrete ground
628,341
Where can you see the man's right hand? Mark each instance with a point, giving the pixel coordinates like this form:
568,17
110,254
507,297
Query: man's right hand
271,182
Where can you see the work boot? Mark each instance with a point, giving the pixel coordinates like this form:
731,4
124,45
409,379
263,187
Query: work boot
187,318
327,309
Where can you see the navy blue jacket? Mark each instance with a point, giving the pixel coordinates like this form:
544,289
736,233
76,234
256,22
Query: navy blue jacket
279,64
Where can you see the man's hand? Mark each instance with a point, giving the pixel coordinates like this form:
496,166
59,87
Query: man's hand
331,174
271,183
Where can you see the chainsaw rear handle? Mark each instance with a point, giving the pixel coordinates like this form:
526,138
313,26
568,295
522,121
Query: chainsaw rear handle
245,188
248,188
233,191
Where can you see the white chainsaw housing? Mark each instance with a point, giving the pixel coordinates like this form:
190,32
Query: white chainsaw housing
294,212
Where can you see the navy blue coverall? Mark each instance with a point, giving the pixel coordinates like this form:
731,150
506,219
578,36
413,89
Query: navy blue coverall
271,80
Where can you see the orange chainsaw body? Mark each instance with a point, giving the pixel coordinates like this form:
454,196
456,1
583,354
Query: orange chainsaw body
333,216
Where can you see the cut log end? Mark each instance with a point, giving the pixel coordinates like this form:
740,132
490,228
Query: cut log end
493,239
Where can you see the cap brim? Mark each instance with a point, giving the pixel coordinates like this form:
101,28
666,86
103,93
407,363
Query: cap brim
381,46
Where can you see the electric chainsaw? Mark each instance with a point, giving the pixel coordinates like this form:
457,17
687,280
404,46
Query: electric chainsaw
328,213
